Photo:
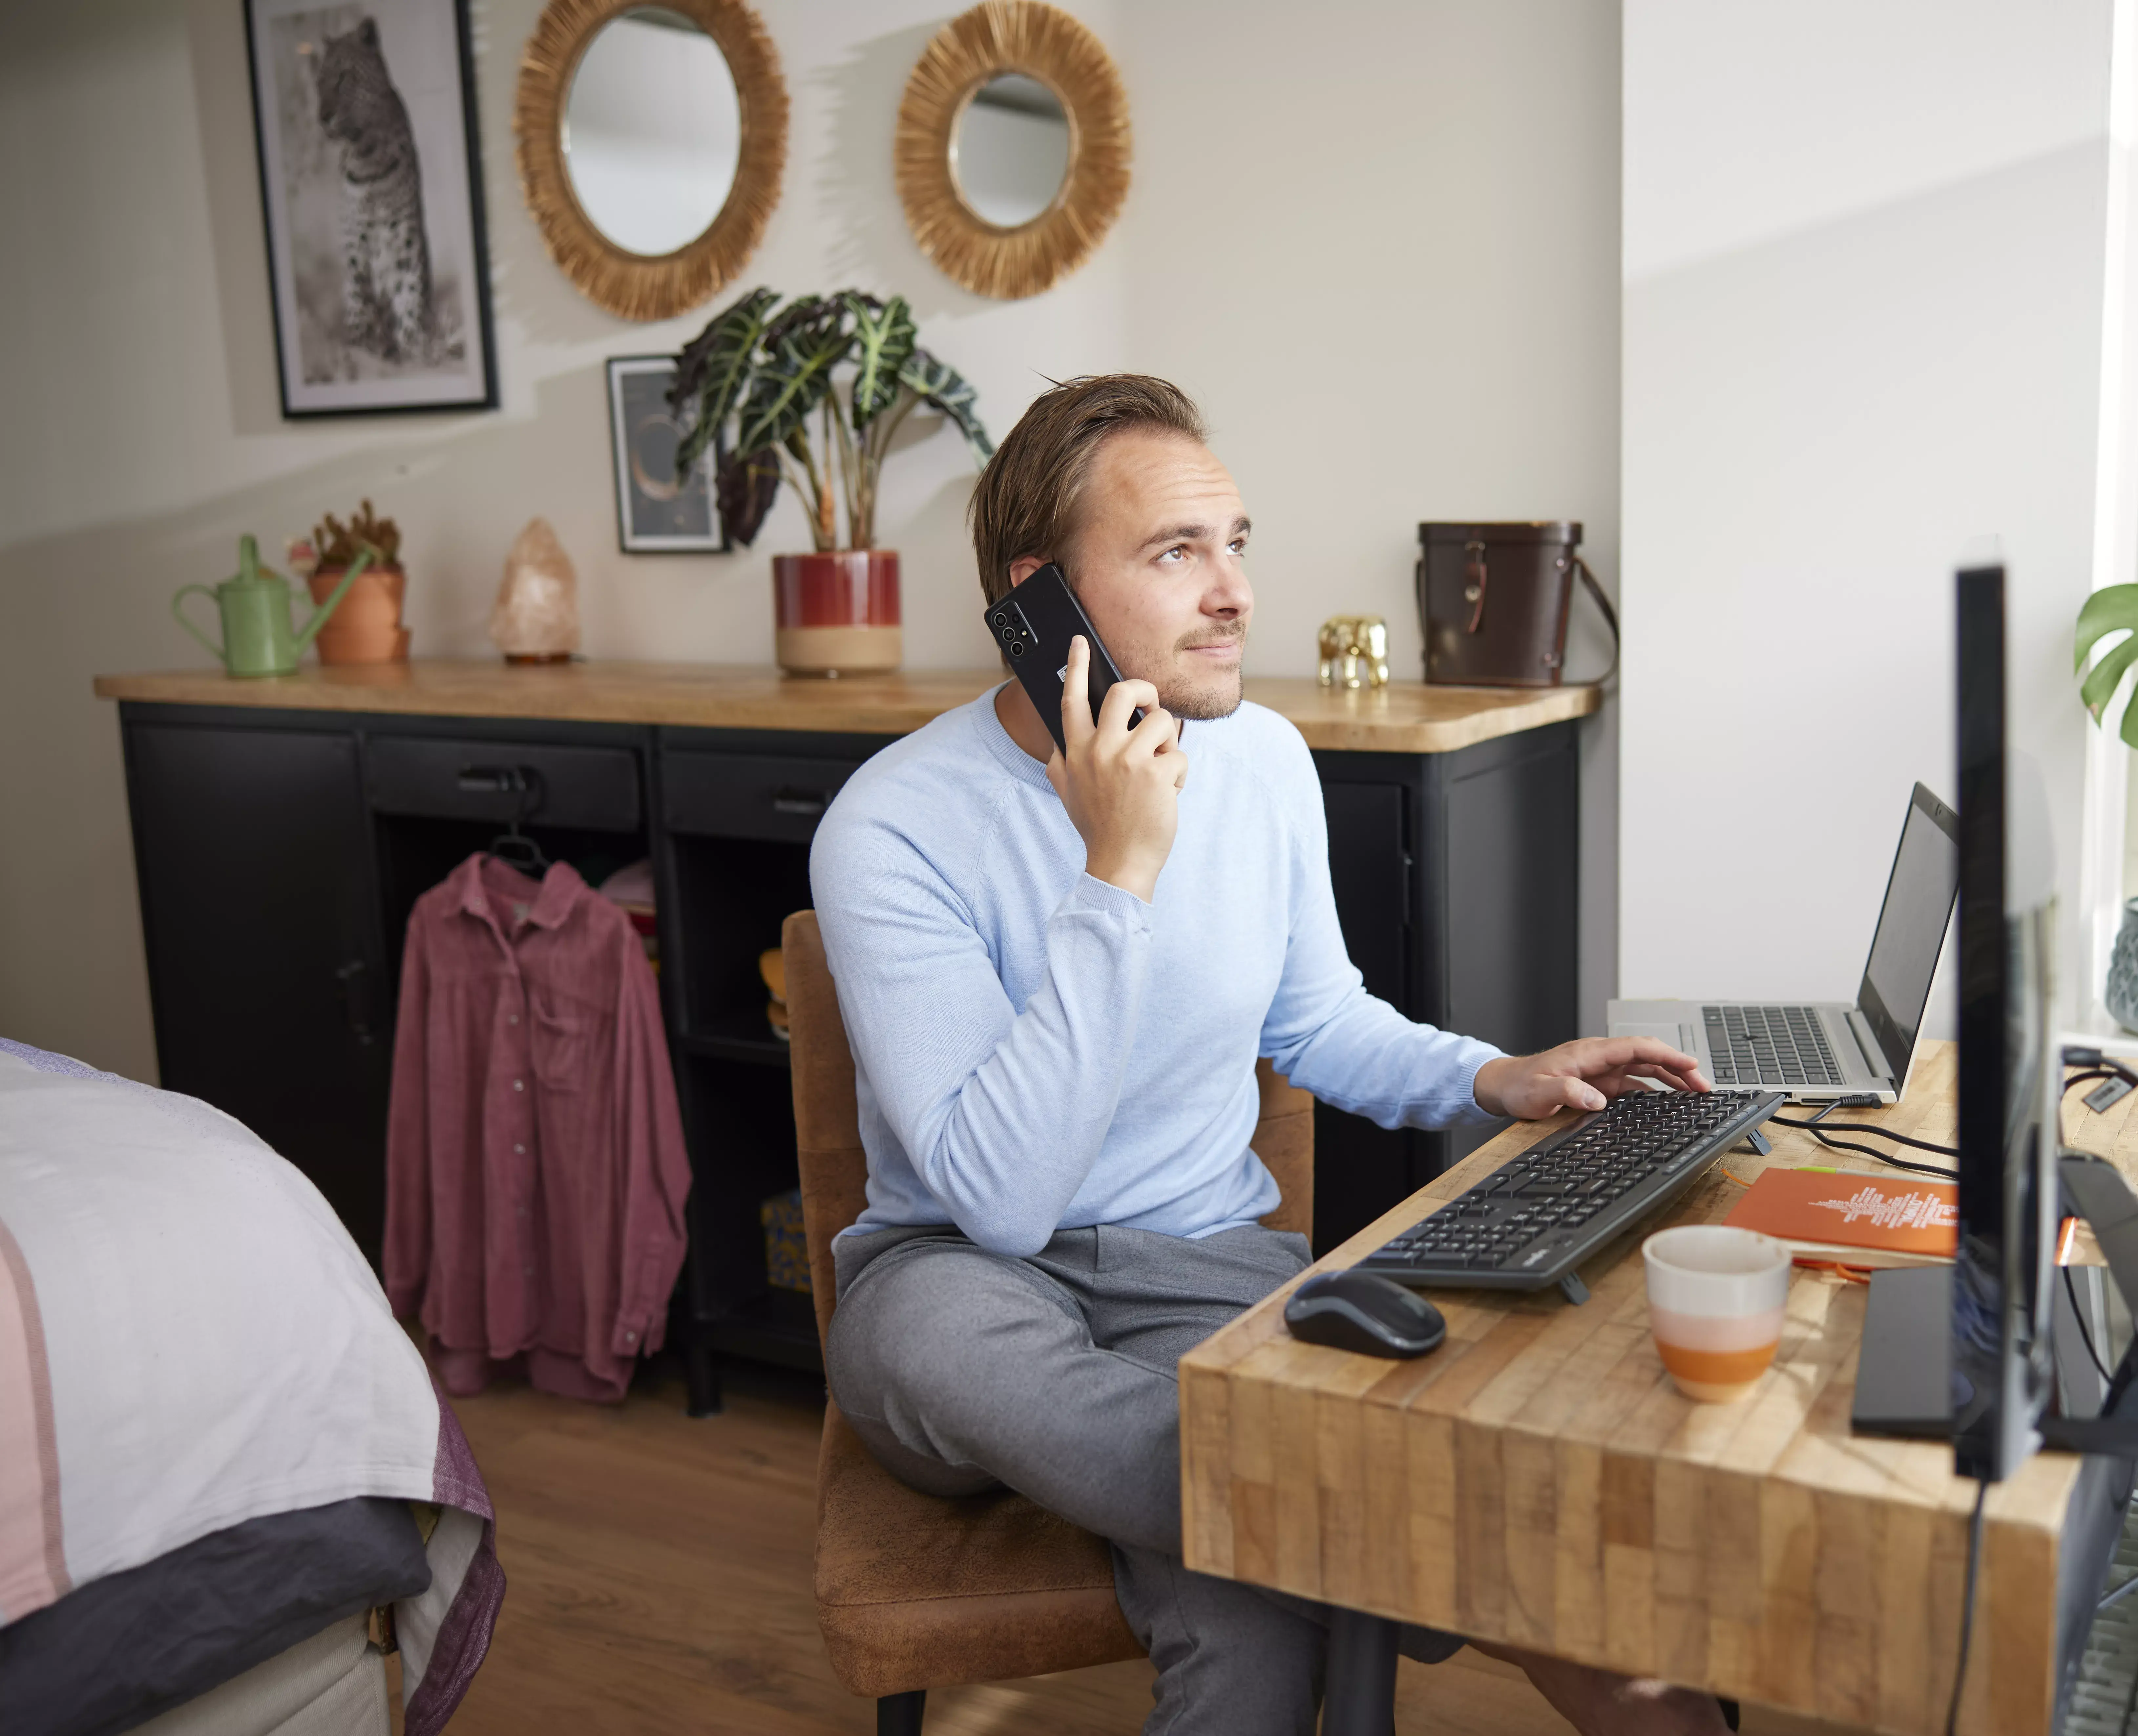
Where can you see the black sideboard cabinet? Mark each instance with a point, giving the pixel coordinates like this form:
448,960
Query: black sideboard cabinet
279,853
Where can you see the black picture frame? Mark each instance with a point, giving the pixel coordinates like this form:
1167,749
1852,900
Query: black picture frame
414,333
654,514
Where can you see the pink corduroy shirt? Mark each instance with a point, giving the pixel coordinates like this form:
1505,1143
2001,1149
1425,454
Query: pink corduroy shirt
535,1170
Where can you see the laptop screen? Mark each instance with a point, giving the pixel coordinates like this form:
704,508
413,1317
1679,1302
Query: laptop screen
1911,925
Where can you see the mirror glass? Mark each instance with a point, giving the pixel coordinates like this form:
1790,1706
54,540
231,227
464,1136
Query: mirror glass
652,131
1011,150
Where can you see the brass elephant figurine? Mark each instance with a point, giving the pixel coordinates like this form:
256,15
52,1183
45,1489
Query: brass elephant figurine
1355,651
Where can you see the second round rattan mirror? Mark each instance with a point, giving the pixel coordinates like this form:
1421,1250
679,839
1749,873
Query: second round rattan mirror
1012,150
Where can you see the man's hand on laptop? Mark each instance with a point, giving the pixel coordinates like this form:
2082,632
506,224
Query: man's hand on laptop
1121,787
1582,1074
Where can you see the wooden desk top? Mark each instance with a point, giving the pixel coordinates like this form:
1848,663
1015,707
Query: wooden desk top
1538,1481
1406,717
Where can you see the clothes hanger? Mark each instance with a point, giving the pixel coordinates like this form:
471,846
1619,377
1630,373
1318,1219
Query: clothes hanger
513,846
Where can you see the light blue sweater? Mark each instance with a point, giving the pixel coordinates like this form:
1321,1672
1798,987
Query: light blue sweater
1036,1050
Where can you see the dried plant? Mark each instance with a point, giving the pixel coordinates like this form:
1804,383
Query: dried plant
338,544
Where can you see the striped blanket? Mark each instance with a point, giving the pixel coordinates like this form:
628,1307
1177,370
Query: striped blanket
189,1339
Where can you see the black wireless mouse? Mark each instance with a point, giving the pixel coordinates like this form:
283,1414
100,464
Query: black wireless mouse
1364,1312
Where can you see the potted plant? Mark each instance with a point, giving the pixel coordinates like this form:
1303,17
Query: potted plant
812,395
367,628
2112,609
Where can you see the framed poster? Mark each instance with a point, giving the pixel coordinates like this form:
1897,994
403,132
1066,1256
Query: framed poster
655,513
371,188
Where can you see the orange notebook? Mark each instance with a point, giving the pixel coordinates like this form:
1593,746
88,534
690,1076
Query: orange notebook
1861,1220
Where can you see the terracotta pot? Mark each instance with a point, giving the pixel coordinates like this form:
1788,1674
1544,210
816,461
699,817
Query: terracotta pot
367,627
836,614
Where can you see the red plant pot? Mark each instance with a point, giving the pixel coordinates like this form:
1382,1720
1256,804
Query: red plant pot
837,614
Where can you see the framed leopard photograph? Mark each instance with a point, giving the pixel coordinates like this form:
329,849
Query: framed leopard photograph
372,186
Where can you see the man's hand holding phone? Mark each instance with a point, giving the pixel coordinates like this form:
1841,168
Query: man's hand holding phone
1120,786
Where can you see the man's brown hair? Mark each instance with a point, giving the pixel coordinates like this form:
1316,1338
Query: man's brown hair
1026,502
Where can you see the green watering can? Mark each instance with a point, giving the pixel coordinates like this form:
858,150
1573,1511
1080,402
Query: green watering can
256,636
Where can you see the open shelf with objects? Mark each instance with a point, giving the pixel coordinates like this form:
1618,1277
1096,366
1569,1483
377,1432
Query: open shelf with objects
284,828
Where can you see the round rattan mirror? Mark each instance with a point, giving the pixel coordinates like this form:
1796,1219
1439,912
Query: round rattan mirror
651,140
1012,152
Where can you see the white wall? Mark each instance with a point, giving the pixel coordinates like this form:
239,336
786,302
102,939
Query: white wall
1382,249
1864,256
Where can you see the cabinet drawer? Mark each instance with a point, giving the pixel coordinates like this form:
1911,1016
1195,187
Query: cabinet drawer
749,795
592,788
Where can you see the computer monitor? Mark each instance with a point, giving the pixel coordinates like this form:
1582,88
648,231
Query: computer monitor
1965,1355
1968,1353
2001,1321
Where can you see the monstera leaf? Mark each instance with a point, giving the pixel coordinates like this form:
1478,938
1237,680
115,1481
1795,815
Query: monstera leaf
945,389
2113,608
883,337
807,343
713,372
743,489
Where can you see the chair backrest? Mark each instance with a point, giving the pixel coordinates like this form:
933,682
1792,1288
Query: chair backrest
827,1122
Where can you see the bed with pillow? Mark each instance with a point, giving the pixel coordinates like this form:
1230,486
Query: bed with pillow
228,1485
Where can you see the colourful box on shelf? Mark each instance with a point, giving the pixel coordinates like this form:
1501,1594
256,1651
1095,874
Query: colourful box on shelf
786,1248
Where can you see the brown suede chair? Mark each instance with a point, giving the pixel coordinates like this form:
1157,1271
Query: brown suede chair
914,1592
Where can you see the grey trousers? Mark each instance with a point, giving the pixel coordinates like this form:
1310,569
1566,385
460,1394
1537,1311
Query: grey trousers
963,1371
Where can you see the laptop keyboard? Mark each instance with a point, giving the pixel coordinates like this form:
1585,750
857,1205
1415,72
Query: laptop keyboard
1532,1222
1769,1046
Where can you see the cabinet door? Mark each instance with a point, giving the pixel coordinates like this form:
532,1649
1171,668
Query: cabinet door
254,855
1360,1170
1513,854
1369,872
1504,825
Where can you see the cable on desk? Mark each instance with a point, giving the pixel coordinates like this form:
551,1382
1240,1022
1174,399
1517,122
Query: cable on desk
1967,1609
1867,1127
1833,1144
1840,1268
2107,1069
2085,1337
2118,1594
2074,1056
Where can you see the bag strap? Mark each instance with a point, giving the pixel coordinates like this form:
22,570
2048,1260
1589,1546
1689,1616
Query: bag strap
1610,615
1476,576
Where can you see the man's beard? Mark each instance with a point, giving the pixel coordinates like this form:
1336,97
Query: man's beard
1218,697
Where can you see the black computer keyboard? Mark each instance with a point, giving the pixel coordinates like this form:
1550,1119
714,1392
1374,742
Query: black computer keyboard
1769,1046
1532,1222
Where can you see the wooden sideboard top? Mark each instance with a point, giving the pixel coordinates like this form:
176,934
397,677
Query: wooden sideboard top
1405,717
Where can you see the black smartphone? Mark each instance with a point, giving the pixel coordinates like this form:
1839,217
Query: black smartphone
1034,624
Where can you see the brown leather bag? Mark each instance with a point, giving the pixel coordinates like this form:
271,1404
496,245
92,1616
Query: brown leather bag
1494,599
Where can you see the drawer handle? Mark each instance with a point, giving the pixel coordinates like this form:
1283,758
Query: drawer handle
497,780
809,803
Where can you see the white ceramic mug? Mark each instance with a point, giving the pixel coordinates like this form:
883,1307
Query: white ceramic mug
1715,1300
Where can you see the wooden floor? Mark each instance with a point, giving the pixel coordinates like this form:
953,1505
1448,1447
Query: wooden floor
658,1580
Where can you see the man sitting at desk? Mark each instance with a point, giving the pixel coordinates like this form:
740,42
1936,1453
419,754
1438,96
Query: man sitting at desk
1056,971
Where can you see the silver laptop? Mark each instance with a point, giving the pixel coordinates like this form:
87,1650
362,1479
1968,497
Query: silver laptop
1830,1048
